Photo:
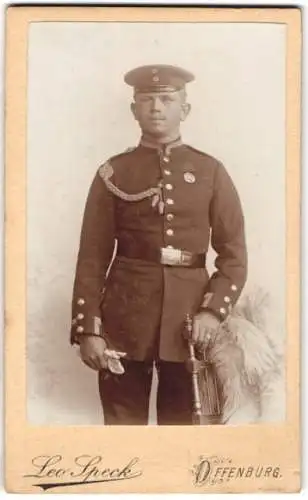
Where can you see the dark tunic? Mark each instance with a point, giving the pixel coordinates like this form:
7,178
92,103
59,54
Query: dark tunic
140,306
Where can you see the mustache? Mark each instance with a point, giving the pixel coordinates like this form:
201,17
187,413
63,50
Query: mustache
157,117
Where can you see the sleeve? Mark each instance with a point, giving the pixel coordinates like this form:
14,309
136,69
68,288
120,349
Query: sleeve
96,247
228,241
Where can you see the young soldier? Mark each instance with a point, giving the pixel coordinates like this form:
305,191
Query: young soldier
161,203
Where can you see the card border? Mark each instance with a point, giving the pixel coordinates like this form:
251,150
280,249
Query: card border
164,468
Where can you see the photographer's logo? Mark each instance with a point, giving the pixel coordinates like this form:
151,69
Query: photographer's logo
216,470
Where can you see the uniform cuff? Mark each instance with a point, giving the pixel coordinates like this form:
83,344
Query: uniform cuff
220,303
75,337
85,322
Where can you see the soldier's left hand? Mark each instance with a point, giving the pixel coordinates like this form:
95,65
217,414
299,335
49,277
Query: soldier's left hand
205,328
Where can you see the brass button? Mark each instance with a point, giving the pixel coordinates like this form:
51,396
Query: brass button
222,310
169,201
79,329
80,316
170,246
167,172
234,288
80,302
166,159
169,187
227,299
170,232
169,217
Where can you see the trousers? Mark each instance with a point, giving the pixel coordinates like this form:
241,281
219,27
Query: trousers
125,397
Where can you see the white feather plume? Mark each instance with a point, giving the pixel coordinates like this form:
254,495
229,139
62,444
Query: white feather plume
249,364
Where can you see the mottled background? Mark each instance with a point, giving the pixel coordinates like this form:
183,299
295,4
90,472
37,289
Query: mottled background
78,116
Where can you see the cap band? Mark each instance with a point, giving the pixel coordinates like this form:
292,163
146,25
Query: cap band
157,88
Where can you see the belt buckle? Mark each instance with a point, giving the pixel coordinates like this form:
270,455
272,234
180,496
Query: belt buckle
174,257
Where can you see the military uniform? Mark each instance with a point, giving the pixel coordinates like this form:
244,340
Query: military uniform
161,205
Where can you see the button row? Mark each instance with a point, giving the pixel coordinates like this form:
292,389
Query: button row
227,300
169,201
79,316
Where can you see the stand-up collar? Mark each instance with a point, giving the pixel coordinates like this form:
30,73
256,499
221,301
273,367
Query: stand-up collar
165,147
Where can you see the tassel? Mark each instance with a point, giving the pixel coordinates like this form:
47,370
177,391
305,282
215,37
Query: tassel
155,200
161,207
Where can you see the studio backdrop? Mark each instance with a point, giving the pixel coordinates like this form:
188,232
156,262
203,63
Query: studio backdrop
79,115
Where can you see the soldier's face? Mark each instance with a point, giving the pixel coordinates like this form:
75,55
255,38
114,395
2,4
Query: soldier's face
160,113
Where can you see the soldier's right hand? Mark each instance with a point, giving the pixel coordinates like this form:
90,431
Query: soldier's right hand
92,349
94,353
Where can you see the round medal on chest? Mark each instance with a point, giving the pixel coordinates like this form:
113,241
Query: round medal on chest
189,177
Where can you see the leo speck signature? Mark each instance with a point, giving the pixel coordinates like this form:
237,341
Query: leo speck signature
52,471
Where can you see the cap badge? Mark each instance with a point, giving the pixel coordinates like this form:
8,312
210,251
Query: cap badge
189,177
155,77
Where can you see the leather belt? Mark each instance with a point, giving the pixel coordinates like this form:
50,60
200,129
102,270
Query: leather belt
166,257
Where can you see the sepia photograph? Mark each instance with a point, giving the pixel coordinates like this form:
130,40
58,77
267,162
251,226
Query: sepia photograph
146,181
153,190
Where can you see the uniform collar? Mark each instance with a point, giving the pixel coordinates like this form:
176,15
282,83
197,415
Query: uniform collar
166,148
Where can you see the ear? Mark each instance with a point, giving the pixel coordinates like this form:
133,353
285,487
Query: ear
133,109
185,111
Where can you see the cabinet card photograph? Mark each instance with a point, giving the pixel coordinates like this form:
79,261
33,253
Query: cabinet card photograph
152,249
